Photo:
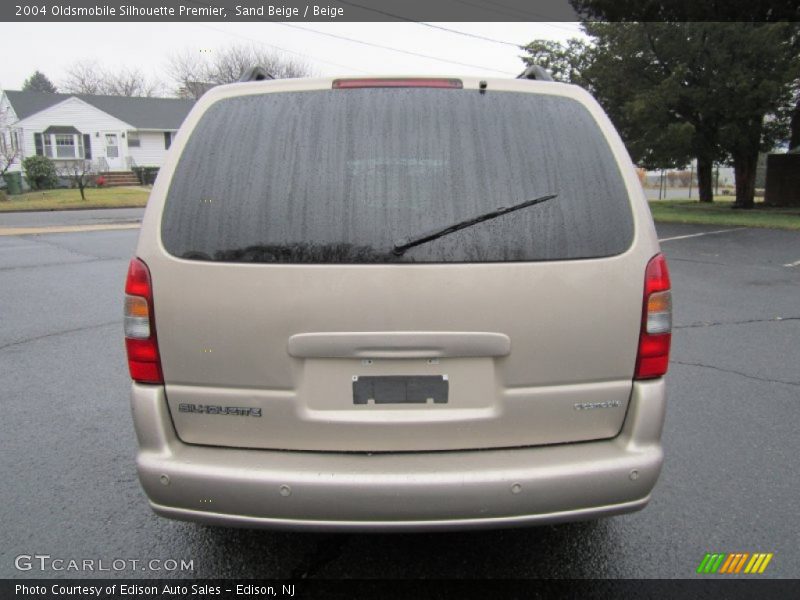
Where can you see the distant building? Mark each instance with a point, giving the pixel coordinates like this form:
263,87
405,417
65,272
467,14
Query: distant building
726,176
117,133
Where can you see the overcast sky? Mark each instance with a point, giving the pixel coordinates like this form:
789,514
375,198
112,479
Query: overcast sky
52,47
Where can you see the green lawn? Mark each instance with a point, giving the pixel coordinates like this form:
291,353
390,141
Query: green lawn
721,213
113,197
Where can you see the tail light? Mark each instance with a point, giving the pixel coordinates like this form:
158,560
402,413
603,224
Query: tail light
652,359
141,344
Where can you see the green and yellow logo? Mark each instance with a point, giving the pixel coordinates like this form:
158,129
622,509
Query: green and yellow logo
739,562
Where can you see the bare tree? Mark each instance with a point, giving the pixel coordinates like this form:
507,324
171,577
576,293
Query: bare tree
10,146
83,77
189,73
228,65
9,154
81,174
194,73
130,82
89,77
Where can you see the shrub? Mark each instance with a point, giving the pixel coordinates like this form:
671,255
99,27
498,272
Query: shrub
146,175
100,181
41,172
3,196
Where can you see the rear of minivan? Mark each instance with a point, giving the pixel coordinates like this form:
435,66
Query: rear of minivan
403,303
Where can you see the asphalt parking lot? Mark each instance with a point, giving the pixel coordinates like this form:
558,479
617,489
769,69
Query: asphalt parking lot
730,481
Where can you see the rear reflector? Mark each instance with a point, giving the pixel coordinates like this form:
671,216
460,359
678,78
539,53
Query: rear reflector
137,318
659,313
655,336
344,84
144,362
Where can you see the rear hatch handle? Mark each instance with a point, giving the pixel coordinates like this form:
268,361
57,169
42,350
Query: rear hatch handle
399,344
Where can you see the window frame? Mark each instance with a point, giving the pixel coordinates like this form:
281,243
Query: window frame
115,145
50,145
47,145
63,141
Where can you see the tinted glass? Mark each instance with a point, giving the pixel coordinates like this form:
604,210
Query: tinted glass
343,176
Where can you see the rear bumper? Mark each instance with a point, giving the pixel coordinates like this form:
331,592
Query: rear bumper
403,491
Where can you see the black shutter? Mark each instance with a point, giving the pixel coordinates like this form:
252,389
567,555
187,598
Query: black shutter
37,141
167,139
87,146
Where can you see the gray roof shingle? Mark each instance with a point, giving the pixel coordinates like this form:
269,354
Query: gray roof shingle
141,113
61,129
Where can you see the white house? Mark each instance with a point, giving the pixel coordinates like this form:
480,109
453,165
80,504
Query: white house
116,133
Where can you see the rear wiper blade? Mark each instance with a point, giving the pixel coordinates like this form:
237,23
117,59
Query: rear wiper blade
403,245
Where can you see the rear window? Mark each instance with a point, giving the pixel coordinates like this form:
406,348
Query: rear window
345,176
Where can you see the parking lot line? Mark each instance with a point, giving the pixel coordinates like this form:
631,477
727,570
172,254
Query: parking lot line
691,235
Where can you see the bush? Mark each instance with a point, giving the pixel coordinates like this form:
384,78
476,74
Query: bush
146,175
41,172
3,196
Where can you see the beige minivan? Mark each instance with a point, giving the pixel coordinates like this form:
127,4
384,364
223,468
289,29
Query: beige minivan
397,303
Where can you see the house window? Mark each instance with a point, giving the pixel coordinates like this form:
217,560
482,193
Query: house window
167,139
112,147
87,146
133,139
15,140
65,145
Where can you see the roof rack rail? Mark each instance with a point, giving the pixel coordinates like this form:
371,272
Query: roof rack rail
255,74
536,72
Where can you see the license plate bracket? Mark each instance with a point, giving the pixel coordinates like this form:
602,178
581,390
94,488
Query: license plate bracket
400,389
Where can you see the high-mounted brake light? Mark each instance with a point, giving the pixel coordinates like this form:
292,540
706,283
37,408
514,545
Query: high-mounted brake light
397,82
655,336
144,361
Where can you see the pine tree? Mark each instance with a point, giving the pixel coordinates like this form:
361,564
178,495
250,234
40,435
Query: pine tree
38,82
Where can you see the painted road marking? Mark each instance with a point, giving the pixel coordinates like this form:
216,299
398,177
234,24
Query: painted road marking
66,228
793,264
683,237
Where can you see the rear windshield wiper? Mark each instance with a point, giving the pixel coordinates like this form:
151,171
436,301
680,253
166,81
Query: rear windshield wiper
403,245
